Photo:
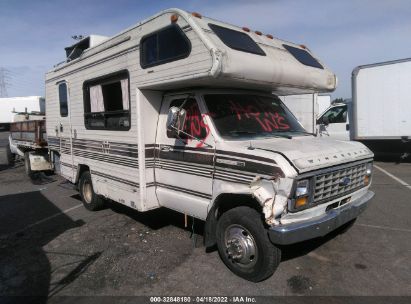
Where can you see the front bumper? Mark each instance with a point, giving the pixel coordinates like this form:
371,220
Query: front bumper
321,225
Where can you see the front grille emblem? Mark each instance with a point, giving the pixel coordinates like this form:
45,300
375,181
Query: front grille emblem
345,181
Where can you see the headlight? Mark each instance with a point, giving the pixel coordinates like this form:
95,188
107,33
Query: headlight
302,192
302,188
368,172
368,169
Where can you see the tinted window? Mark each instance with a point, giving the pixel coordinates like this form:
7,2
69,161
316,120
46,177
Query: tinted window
63,99
194,124
165,45
107,102
236,40
335,115
303,56
239,116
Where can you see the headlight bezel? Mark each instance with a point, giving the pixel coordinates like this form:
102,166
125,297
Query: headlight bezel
297,193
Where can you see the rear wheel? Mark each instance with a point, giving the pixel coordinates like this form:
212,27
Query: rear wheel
244,246
90,199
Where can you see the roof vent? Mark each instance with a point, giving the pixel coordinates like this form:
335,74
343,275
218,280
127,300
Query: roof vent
77,49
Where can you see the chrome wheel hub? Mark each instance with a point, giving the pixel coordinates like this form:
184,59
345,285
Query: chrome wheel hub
240,246
87,192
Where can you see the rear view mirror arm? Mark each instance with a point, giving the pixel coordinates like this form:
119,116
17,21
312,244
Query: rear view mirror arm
191,136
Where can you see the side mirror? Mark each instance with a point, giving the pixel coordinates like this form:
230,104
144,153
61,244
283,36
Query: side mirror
175,120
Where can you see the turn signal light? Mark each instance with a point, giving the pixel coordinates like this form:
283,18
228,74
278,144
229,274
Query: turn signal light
300,202
174,18
366,180
196,15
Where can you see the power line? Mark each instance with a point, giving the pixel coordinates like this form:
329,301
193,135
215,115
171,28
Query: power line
4,81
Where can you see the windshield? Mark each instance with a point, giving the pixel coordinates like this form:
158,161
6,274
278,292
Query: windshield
240,115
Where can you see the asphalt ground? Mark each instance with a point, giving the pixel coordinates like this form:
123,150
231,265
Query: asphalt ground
51,246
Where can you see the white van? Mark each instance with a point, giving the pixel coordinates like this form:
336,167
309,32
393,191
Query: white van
178,112
378,115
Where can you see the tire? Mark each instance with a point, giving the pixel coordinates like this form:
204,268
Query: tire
10,156
242,229
90,199
27,165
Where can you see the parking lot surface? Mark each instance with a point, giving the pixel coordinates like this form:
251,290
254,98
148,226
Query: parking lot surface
50,245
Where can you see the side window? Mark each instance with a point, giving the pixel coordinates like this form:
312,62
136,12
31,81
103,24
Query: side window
107,102
194,124
63,100
335,115
166,45
236,40
303,56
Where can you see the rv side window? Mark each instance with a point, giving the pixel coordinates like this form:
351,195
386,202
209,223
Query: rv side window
107,102
63,99
194,124
236,40
166,45
303,56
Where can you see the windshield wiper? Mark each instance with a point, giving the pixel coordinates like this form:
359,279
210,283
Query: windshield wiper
304,132
243,132
262,134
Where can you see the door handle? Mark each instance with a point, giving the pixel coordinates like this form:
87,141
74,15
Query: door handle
165,148
61,127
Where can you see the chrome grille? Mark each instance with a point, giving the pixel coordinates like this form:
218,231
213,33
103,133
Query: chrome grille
335,183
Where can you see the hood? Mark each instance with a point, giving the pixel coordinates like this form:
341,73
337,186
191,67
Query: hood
309,153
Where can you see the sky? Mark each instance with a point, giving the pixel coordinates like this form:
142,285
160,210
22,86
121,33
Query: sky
342,34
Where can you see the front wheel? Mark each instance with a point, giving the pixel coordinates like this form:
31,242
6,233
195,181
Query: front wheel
91,200
244,246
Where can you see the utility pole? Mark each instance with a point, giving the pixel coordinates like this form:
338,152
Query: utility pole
4,78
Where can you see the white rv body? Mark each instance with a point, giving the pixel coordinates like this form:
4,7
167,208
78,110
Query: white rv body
133,158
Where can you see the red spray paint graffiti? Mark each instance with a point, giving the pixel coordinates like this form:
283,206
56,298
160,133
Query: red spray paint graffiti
267,119
195,125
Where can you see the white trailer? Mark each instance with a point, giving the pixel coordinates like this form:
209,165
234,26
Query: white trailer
11,105
379,114
307,107
178,112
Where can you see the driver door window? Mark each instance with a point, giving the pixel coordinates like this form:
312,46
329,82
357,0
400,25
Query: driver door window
194,124
335,115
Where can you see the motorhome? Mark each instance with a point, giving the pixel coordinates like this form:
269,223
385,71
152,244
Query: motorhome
378,115
178,111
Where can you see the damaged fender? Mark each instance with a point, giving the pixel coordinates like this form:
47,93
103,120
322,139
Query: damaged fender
272,194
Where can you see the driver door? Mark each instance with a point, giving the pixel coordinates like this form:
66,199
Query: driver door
334,123
185,166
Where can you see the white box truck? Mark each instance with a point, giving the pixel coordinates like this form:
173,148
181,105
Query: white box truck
379,114
178,112
307,107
